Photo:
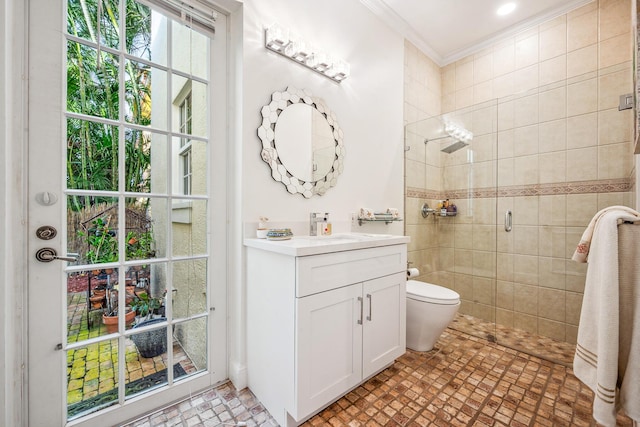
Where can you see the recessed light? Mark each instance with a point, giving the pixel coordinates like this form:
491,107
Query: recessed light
506,9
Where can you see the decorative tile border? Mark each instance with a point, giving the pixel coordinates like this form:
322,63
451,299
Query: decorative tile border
577,187
418,193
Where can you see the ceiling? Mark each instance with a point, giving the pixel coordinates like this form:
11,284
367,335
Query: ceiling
448,30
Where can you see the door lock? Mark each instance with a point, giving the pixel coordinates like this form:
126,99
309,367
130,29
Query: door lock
50,254
46,232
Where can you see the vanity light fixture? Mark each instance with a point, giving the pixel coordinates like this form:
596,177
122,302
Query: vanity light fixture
288,44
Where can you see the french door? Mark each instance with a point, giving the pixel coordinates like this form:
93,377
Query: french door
127,154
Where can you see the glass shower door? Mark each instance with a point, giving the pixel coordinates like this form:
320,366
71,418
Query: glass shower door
452,158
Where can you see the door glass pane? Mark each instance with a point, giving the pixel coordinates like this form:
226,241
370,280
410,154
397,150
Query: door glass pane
147,364
92,378
92,85
141,41
189,117
189,344
189,223
189,296
189,51
189,161
82,20
141,240
145,151
92,158
141,109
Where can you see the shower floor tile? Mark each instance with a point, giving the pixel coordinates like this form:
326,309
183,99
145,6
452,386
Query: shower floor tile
535,345
463,381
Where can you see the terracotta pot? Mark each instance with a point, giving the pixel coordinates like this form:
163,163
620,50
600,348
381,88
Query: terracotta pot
99,293
111,322
96,301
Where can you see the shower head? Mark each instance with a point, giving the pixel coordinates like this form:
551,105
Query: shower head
454,147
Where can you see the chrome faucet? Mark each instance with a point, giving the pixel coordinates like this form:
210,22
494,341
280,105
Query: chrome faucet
314,219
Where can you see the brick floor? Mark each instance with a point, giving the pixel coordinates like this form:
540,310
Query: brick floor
463,381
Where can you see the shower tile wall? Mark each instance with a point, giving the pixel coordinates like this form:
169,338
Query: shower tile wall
564,152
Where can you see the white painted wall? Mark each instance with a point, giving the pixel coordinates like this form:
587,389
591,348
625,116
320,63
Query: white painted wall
369,109
368,106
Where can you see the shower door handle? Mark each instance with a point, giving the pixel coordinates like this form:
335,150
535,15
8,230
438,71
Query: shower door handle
508,221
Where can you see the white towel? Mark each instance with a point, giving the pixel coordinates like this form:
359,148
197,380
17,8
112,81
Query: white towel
604,336
629,357
582,251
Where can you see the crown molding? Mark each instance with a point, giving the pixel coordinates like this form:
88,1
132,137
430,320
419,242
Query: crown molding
397,23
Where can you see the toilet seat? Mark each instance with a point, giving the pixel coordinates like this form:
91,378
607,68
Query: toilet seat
428,292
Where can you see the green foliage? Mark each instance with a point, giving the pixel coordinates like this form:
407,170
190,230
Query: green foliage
144,305
102,242
93,84
139,245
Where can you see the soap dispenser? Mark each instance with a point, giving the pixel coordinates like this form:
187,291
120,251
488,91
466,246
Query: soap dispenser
326,228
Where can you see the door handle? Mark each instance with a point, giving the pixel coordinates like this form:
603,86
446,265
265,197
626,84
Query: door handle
361,310
369,316
508,221
50,254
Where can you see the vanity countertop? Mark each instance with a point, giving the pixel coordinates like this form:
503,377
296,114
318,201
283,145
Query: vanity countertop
315,245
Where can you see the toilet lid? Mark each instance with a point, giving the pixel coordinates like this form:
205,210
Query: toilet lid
429,292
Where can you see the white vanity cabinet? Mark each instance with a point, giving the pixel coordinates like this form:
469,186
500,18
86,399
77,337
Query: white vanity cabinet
319,325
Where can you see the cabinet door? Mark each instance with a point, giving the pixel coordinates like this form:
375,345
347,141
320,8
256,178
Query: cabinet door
385,322
328,347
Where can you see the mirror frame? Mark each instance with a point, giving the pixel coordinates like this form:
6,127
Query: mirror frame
266,132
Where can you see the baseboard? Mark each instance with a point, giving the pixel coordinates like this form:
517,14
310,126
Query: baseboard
238,375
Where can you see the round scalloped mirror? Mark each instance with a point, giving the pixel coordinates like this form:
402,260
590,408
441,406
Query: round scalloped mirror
301,142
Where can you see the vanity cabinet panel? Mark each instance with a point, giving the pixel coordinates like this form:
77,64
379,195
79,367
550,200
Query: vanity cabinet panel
385,320
304,352
329,347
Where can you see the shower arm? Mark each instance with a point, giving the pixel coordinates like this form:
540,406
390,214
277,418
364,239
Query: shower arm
439,138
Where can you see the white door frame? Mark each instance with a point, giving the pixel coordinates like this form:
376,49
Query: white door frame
13,247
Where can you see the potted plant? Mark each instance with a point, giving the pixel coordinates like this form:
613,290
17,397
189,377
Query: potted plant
145,306
110,316
154,342
151,343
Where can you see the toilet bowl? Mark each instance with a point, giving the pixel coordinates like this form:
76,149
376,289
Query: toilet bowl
430,309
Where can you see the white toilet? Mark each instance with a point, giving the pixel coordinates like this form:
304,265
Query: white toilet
430,309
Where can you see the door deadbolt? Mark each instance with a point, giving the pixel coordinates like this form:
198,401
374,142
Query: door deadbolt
50,254
46,232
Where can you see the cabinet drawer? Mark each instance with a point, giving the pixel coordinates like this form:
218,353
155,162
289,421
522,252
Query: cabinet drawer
321,273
